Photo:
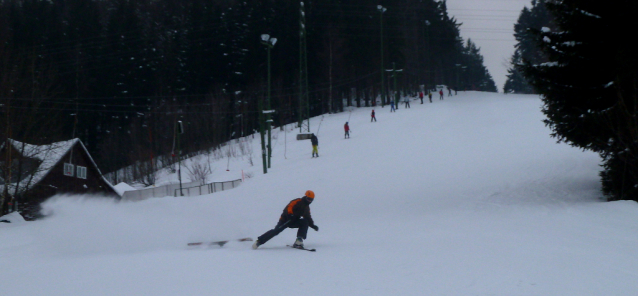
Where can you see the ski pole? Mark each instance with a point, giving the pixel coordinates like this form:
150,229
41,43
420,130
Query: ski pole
320,124
283,225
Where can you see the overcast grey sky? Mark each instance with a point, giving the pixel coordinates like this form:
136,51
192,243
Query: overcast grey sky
490,24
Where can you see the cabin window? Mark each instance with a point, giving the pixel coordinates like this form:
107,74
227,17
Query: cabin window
68,169
81,172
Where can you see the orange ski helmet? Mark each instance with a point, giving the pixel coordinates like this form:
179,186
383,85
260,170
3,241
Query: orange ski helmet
310,194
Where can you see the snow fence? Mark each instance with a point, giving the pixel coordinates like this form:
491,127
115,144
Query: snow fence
188,189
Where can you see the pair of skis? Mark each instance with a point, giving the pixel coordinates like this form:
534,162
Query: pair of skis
302,248
245,239
218,243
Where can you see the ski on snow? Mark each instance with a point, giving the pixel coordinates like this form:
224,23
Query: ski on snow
302,248
219,243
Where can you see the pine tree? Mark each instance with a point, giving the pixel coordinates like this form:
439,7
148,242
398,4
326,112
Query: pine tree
475,74
516,82
589,84
529,20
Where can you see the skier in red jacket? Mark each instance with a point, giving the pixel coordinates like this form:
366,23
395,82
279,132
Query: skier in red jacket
346,128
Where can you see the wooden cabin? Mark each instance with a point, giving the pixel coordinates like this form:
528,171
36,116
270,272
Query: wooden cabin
37,172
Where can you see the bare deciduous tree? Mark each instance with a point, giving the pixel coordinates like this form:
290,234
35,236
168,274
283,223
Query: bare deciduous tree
27,115
198,171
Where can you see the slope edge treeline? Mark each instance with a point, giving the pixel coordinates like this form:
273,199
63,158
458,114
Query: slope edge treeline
119,73
588,80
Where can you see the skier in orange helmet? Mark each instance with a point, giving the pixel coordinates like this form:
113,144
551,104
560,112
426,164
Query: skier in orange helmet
295,215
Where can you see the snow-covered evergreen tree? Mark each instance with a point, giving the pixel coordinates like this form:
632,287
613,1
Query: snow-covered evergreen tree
516,82
526,48
589,85
476,75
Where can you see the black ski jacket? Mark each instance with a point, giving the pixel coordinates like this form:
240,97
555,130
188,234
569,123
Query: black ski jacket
296,209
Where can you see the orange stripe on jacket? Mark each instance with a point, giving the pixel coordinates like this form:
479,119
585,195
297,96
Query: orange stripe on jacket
291,205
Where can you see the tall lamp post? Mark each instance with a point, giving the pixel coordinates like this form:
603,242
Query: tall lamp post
381,11
269,42
459,68
427,52
394,71
179,129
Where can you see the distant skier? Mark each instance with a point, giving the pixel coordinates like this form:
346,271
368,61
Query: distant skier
295,215
315,144
441,94
346,128
392,106
449,91
373,117
407,102
421,96
430,96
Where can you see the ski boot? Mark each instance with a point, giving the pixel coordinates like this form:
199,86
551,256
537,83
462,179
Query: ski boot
298,243
256,244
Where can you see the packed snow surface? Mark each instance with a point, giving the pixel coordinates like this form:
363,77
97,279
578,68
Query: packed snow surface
463,196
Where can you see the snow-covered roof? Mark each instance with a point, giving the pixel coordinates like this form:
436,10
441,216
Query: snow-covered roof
49,155
123,187
13,217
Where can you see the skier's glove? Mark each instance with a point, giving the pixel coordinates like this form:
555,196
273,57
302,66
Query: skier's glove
315,227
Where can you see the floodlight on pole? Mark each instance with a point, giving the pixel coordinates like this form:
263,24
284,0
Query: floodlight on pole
381,11
427,51
459,68
269,42
304,98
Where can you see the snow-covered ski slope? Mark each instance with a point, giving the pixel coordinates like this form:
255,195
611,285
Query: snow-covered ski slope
466,196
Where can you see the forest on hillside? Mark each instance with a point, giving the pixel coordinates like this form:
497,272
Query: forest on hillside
118,74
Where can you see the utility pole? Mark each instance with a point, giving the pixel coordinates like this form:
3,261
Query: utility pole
269,42
458,74
381,11
179,127
427,53
261,133
394,75
304,104
459,68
